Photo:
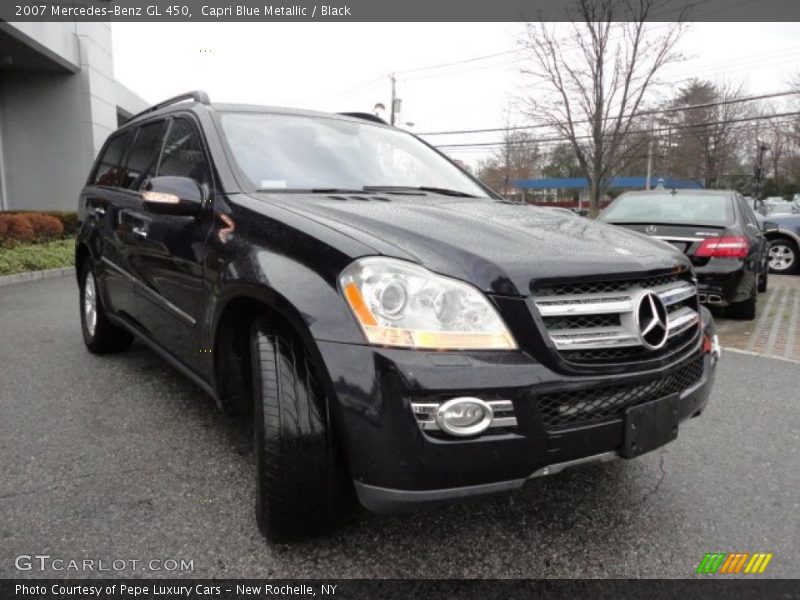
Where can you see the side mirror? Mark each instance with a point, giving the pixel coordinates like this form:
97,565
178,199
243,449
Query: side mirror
179,196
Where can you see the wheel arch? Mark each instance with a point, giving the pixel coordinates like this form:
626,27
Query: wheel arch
783,235
82,253
233,319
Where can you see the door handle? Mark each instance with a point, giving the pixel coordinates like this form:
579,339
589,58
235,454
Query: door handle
140,232
98,211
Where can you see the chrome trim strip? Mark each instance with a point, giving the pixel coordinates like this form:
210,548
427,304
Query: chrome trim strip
154,295
671,238
504,422
672,295
501,405
597,337
565,306
681,320
118,269
558,467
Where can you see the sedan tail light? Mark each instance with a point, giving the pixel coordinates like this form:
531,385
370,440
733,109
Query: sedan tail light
734,246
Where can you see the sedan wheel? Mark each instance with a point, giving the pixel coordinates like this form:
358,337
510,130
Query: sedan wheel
782,257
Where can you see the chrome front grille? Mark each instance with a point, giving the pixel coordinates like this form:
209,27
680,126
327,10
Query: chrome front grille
597,321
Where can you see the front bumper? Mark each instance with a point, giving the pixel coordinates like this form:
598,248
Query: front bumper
396,466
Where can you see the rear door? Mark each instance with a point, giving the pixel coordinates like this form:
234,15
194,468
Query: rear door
169,256
103,201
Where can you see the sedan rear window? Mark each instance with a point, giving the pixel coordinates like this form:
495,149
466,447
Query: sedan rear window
676,209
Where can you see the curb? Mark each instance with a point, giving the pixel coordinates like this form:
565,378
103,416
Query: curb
35,275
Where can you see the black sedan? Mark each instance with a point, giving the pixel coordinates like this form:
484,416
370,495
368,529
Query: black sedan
717,230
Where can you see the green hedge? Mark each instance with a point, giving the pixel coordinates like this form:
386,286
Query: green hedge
37,257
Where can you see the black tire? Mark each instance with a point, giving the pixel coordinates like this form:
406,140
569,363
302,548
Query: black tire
299,479
789,261
106,338
745,311
763,281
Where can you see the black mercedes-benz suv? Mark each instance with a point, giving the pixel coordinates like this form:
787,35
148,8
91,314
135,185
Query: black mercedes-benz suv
392,325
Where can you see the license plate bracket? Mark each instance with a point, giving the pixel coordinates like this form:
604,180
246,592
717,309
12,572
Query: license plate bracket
650,425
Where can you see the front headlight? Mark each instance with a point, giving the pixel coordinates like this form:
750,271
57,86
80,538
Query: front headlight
398,303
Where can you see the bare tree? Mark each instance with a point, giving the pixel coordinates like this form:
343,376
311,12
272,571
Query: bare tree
517,158
591,84
708,134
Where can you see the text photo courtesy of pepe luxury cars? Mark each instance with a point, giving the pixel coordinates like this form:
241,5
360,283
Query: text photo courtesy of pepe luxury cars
289,300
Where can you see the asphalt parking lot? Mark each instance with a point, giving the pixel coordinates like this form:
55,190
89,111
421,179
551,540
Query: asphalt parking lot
776,329
121,458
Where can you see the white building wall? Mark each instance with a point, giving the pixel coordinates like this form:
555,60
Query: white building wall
52,123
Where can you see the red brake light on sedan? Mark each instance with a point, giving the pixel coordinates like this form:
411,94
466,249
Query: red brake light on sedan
724,247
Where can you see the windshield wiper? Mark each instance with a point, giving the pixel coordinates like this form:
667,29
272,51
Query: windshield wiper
411,188
328,190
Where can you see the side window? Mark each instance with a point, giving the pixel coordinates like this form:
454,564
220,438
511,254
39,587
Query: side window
107,172
143,157
183,153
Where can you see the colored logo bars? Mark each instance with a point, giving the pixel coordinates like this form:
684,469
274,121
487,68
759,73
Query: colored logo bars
734,563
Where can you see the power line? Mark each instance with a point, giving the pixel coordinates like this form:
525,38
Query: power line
633,132
644,113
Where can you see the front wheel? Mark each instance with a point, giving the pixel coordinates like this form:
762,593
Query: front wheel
298,477
99,334
783,257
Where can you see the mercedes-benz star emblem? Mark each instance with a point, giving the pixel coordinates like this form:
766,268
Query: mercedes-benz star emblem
650,229
652,320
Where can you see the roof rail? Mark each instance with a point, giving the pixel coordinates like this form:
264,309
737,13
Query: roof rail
196,95
364,116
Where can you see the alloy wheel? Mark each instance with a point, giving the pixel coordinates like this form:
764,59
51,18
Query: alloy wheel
781,257
90,303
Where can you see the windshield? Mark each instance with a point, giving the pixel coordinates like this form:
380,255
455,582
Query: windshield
296,152
677,209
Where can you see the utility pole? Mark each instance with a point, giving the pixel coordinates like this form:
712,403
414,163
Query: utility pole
758,173
394,99
649,157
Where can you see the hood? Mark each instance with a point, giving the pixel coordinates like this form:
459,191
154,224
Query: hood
498,246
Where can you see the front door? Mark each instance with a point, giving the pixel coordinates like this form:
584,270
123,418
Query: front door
169,256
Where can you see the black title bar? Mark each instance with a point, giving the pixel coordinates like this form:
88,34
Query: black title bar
377,10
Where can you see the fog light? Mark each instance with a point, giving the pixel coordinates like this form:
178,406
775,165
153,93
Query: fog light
464,416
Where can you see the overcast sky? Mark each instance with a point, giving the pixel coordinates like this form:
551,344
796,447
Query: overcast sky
336,67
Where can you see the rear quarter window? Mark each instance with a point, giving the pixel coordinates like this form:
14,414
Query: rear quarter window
108,169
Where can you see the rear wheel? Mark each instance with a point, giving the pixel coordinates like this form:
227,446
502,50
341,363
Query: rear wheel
744,310
783,256
99,334
299,479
